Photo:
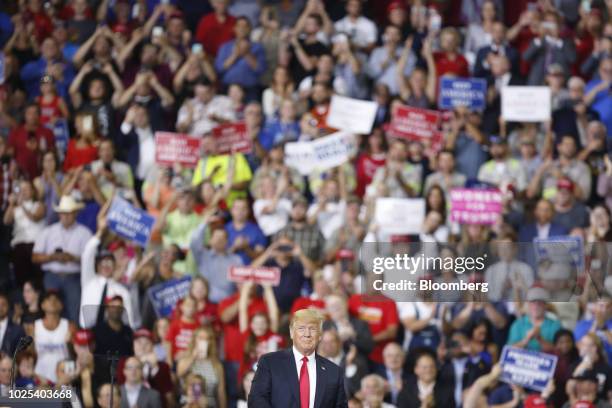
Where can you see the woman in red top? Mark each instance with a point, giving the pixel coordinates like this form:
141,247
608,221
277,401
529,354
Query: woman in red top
182,327
206,312
259,331
369,161
83,149
449,60
52,106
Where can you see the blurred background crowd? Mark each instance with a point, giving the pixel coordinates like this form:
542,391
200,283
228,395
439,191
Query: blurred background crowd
114,72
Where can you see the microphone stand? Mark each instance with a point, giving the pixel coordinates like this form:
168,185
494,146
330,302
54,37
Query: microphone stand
113,359
17,350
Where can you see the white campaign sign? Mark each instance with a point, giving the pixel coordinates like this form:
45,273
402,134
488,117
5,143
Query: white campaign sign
526,103
401,216
351,115
320,154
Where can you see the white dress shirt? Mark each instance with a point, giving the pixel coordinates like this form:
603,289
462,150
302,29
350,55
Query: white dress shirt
543,230
3,326
312,373
132,394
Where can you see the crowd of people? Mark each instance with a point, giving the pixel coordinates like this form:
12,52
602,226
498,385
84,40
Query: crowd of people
85,86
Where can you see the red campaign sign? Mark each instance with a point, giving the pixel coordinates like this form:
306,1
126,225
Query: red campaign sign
416,124
171,148
258,275
232,136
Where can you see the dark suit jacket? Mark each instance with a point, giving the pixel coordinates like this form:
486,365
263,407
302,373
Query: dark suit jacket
527,233
536,55
481,56
444,395
276,385
147,398
11,338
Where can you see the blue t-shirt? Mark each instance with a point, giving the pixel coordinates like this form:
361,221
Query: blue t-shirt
88,216
584,326
252,232
275,132
469,156
602,104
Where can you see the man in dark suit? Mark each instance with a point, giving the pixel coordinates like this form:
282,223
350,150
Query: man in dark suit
498,46
10,333
298,377
543,227
133,392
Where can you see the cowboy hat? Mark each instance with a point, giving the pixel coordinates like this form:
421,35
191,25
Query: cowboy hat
67,204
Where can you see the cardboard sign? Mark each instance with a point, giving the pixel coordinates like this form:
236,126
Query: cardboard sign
529,369
475,206
321,154
259,275
171,148
232,136
130,222
165,296
526,103
400,216
468,92
564,250
351,115
416,124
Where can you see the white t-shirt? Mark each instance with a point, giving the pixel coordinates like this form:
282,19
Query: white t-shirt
275,221
362,32
331,218
25,230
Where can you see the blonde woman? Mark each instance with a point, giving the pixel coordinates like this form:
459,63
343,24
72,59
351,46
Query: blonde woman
202,358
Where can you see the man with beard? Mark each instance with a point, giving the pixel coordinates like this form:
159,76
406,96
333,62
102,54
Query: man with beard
502,169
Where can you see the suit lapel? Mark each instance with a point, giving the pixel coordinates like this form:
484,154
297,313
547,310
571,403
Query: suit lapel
291,375
321,381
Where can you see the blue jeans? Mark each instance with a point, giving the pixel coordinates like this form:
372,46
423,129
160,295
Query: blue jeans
69,285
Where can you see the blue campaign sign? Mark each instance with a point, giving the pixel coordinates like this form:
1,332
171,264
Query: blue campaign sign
164,296
130,222
468,92
562,249
61,131
530,369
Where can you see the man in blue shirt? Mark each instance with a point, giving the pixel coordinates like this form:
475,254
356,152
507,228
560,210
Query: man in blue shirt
600,324
598,94
244,237
240,61
51,62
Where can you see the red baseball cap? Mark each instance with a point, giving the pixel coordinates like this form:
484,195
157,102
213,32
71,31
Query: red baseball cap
111,298
583,404
565,183
142,332
345,254
83,337
396,5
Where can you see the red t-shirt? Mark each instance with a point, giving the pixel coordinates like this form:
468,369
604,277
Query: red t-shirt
179,335
380,313
206,316
308,303
212,33
231,331
366,166
267,343
446,65
78,156
49,110
28,151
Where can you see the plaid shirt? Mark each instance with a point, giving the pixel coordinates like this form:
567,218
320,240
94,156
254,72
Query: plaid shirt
309,238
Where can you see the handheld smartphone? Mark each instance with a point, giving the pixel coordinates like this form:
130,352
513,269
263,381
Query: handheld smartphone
157,31
88,124
197,390
69,368
135,10
196,48
435,21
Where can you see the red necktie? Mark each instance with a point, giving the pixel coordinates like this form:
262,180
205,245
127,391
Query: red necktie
304,384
